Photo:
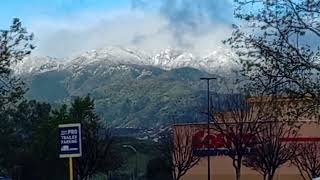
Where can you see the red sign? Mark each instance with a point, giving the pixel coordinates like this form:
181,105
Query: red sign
204,144
217,144
202,139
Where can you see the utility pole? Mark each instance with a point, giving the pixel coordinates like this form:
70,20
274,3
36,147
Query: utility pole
136,161
208,124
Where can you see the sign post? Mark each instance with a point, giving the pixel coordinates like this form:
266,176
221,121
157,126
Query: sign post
70,143
70,168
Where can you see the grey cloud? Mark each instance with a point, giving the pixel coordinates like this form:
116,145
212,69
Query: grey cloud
65,38
193,25
190,17
138,38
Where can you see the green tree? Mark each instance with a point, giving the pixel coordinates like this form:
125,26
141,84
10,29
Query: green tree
158,169
29,143
9,143
97,142
14,46
36,156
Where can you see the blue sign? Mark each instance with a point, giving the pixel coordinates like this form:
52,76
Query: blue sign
70,140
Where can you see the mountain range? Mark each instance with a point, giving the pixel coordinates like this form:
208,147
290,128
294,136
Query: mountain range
131,88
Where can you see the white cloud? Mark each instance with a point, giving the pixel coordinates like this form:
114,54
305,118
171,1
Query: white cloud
140,29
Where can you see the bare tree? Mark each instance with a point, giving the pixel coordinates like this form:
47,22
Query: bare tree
278,45
307,160
237,122
271,151
176,148
96,154
274,142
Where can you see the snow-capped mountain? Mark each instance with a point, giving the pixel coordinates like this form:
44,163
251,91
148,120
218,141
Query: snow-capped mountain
170,59
110,56
217,61
131,88
33,65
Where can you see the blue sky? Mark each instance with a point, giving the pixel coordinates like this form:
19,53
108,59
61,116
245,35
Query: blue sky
68,27
28,9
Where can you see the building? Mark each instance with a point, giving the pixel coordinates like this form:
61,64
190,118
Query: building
221,165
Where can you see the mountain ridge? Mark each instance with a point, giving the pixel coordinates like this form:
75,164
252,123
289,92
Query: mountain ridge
130,88
216,61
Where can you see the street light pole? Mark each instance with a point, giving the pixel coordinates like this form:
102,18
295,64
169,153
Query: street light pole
208,123
136,161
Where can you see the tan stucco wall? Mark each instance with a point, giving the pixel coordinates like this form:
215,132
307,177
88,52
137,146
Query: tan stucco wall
222,169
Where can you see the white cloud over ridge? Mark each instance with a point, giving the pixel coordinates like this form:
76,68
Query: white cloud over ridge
148,30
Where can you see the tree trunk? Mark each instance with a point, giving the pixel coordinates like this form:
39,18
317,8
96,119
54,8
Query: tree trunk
264,176
237,167
175,175
314,174
238,173
270,175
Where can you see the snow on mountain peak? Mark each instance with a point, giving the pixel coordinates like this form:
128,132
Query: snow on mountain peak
220,59
31,65
109,56
170,58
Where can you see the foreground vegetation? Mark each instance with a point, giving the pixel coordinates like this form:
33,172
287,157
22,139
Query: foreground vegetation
276,61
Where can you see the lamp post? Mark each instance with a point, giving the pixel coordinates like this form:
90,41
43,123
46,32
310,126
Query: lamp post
136,161
208,123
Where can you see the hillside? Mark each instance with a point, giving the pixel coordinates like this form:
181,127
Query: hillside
130,89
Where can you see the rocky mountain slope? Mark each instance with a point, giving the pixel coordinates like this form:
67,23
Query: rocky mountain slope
131,88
